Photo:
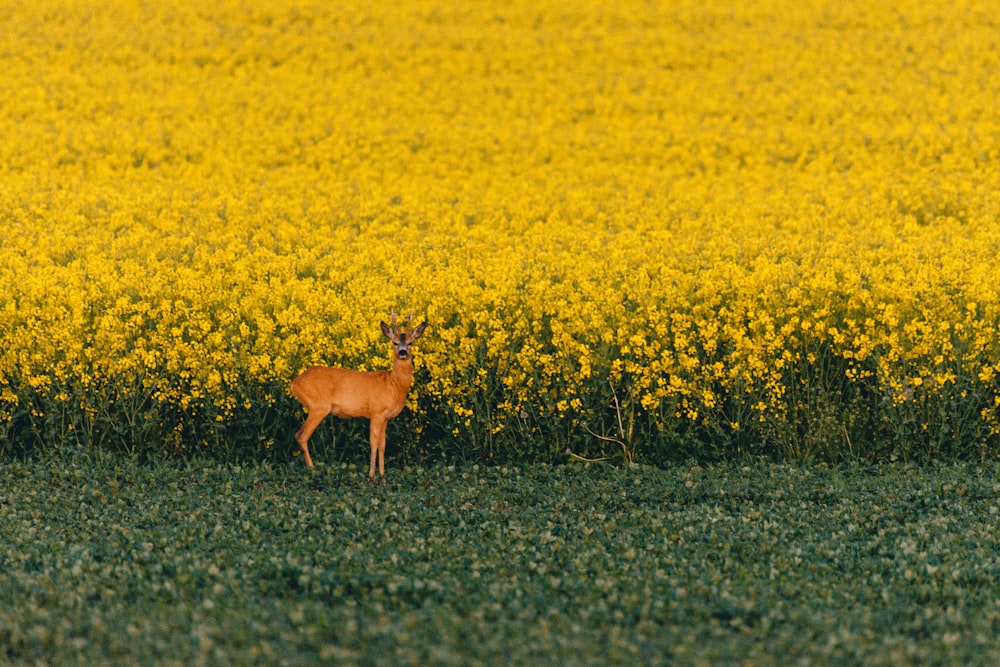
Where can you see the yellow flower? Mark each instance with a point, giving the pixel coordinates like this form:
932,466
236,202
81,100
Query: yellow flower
196,218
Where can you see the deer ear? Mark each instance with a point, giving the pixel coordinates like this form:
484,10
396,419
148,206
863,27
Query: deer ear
419,331
387,330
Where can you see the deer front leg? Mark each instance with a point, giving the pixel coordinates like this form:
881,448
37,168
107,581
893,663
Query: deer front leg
376,434
381,455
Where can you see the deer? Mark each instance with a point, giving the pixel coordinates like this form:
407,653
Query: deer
375,395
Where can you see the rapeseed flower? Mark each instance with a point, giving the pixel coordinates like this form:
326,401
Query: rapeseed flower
740,241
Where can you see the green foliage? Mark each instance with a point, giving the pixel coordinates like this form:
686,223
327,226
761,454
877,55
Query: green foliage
106,561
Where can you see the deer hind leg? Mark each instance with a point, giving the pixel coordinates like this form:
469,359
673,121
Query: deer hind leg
303,434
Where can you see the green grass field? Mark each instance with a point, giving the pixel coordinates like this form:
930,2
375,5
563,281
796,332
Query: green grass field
187,563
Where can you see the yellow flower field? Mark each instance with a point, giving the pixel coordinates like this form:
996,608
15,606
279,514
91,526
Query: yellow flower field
643,229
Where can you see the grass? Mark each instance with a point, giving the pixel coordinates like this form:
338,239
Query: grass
175,562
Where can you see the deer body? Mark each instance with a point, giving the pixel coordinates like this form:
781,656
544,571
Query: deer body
375,395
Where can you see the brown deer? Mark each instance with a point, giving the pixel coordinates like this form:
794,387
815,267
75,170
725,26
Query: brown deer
375,395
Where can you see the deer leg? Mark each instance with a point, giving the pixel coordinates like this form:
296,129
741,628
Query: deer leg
372,434
303,434
376,434
381,455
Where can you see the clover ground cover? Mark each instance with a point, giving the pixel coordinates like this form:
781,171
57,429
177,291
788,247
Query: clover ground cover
188,563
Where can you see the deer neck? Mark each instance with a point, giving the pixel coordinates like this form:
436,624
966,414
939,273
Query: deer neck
402,373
